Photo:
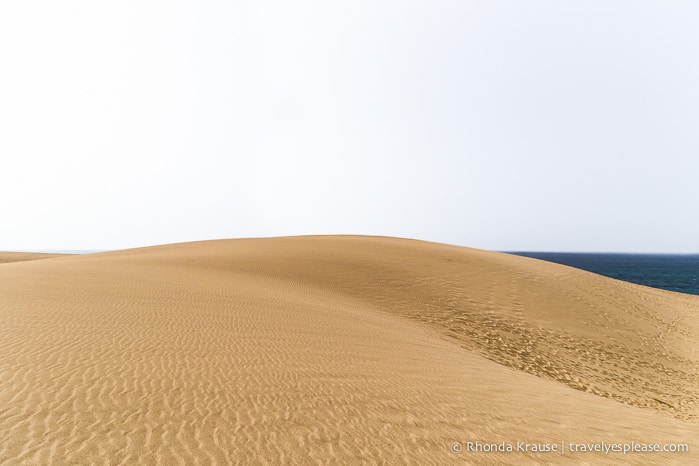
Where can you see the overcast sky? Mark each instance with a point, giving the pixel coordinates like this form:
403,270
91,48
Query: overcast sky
506,125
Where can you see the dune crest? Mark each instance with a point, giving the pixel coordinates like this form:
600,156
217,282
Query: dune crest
340,349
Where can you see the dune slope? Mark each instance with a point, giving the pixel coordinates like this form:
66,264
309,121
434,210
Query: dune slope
6,257
344,350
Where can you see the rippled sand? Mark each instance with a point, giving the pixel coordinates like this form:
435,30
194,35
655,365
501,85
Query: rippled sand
335,350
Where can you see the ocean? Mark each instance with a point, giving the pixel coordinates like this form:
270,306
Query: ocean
674,272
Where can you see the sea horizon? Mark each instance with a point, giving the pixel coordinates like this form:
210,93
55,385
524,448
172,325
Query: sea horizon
667,271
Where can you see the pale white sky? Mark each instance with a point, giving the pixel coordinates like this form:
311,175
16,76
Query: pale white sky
507,125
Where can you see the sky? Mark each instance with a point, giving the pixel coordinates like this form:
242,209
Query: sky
504,125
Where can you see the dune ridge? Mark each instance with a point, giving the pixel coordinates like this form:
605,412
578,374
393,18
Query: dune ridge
530,315
335,349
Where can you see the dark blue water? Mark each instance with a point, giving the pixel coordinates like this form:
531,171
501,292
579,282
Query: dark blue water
674,272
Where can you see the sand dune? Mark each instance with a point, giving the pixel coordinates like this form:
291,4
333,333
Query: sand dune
337,350
6,257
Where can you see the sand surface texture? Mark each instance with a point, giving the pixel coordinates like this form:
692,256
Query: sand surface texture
26,256
336,350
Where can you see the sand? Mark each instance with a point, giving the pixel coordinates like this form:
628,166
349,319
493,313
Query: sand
26,256
337,350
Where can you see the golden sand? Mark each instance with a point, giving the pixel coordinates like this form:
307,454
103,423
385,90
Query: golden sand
26,256
337,350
